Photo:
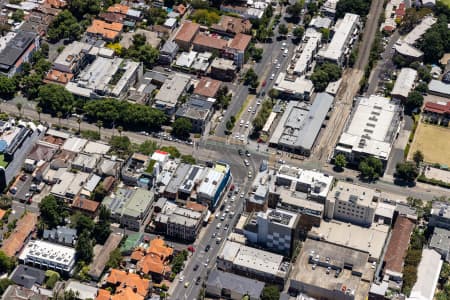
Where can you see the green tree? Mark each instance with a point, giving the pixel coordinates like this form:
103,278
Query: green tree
324,74
174,152
407,171
156,15
4,283
298,32
414,100
53,98
188,159
371,168
282,29
7,87
81,222
18,15
340,161
418,157
296,9
359,7
120,130
7,263
325,34
30,85
101,231
270,292
148,147
64,26
250,77
115,258
181,128
120,144
205,17
79,8
84,247
422,88
52,211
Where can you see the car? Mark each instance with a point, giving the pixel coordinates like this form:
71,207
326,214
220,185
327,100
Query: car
222,218
23,177
275,61
218,240
206,262
289,35
186,284
249,109
181,278
207,248
286,51
254,111
247,153
214,235
246,163
283,44
237,136
242,138
278,66
196,267
263,83
232,187
242,195
219,225
240,150
247,124
250,174
272,77
241,123
230,193
217,215
233,198
258,102
226,227
13,190
197,281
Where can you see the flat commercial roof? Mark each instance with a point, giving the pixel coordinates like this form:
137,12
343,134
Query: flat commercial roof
235,283
172,89
370,240
427,276
343,30
439,87
210,183
373,126
349,192
299,85
74,144
405,82
71,53
440,239
307,54
338,258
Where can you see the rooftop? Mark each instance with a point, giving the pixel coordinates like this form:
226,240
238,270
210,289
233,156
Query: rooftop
49,252
440,239
254,259
232,25
405,82
240,42
74,144
129,202
370,240
209,41
15,292
398,245
353,193
27,276
210,183
440,87
125,280
207,87
235,283
71,54
15,48
24,227
99,262
84,291
187,31
279,216
109,31
427,276
293,85
440,209
171,90
414,35
172,213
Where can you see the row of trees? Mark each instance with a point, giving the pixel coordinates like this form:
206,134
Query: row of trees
324,74
359,7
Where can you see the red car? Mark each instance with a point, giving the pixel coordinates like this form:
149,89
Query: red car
23,177
232,187
263,83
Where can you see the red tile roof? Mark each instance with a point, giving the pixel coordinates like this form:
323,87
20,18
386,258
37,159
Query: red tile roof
437,107
240,42
398,245
187,31
24,227
107,30
209,41
207,87
232,25
85,204
123,280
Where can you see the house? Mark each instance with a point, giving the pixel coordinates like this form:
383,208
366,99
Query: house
231,26
236,48
404,83
203,42
154,260
168,52
173,88
440,241
207,87
27,276
134,169
129,13
439,88
440,215
17,50
223,69
82,290
107,31
86,206
15,292
24,228
61,235
125,285
198,111
437,112
73,58
130,207
186,35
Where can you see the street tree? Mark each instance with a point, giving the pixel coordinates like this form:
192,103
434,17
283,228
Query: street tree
148,147
64,26
52,211
181,128
7,87
270,292
418,157
53,98
282,29
407,171
340,161
298,32
250,77
414,100
370,168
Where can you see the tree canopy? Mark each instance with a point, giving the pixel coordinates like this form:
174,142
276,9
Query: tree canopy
7,263
141,51
324,74
407,171
414,100
181,128
359,7
52,211
436,41
64,26
371,168
340,161
53,98
205,17
83,248
7,87
270,292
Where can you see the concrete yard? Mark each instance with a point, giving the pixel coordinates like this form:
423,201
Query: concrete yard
434,142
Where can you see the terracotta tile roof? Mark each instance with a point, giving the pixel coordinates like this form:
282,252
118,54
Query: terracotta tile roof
240,42
209,41
55,76
2,213
207,87
108,183
24,227
398,244
126,294
56,3
137,255
151,263
437,107
158,247
181,9
103,295
155,260
123,280
118,8
232,25
195,206
187,31
108,30
85,204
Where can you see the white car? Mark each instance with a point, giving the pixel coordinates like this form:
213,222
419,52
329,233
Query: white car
242,138
241,123
275,61
286,51
283,44
249,109
258,102
278,66
237,136
181,278
272,77
233,198
247,124
242,195
246,163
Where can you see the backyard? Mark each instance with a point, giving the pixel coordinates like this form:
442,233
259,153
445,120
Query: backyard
433,141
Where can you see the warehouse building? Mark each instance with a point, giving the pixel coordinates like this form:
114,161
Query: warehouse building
404,84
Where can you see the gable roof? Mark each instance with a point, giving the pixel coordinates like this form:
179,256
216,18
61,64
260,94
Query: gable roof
187,31
240,42
27,276
123,280
24,227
